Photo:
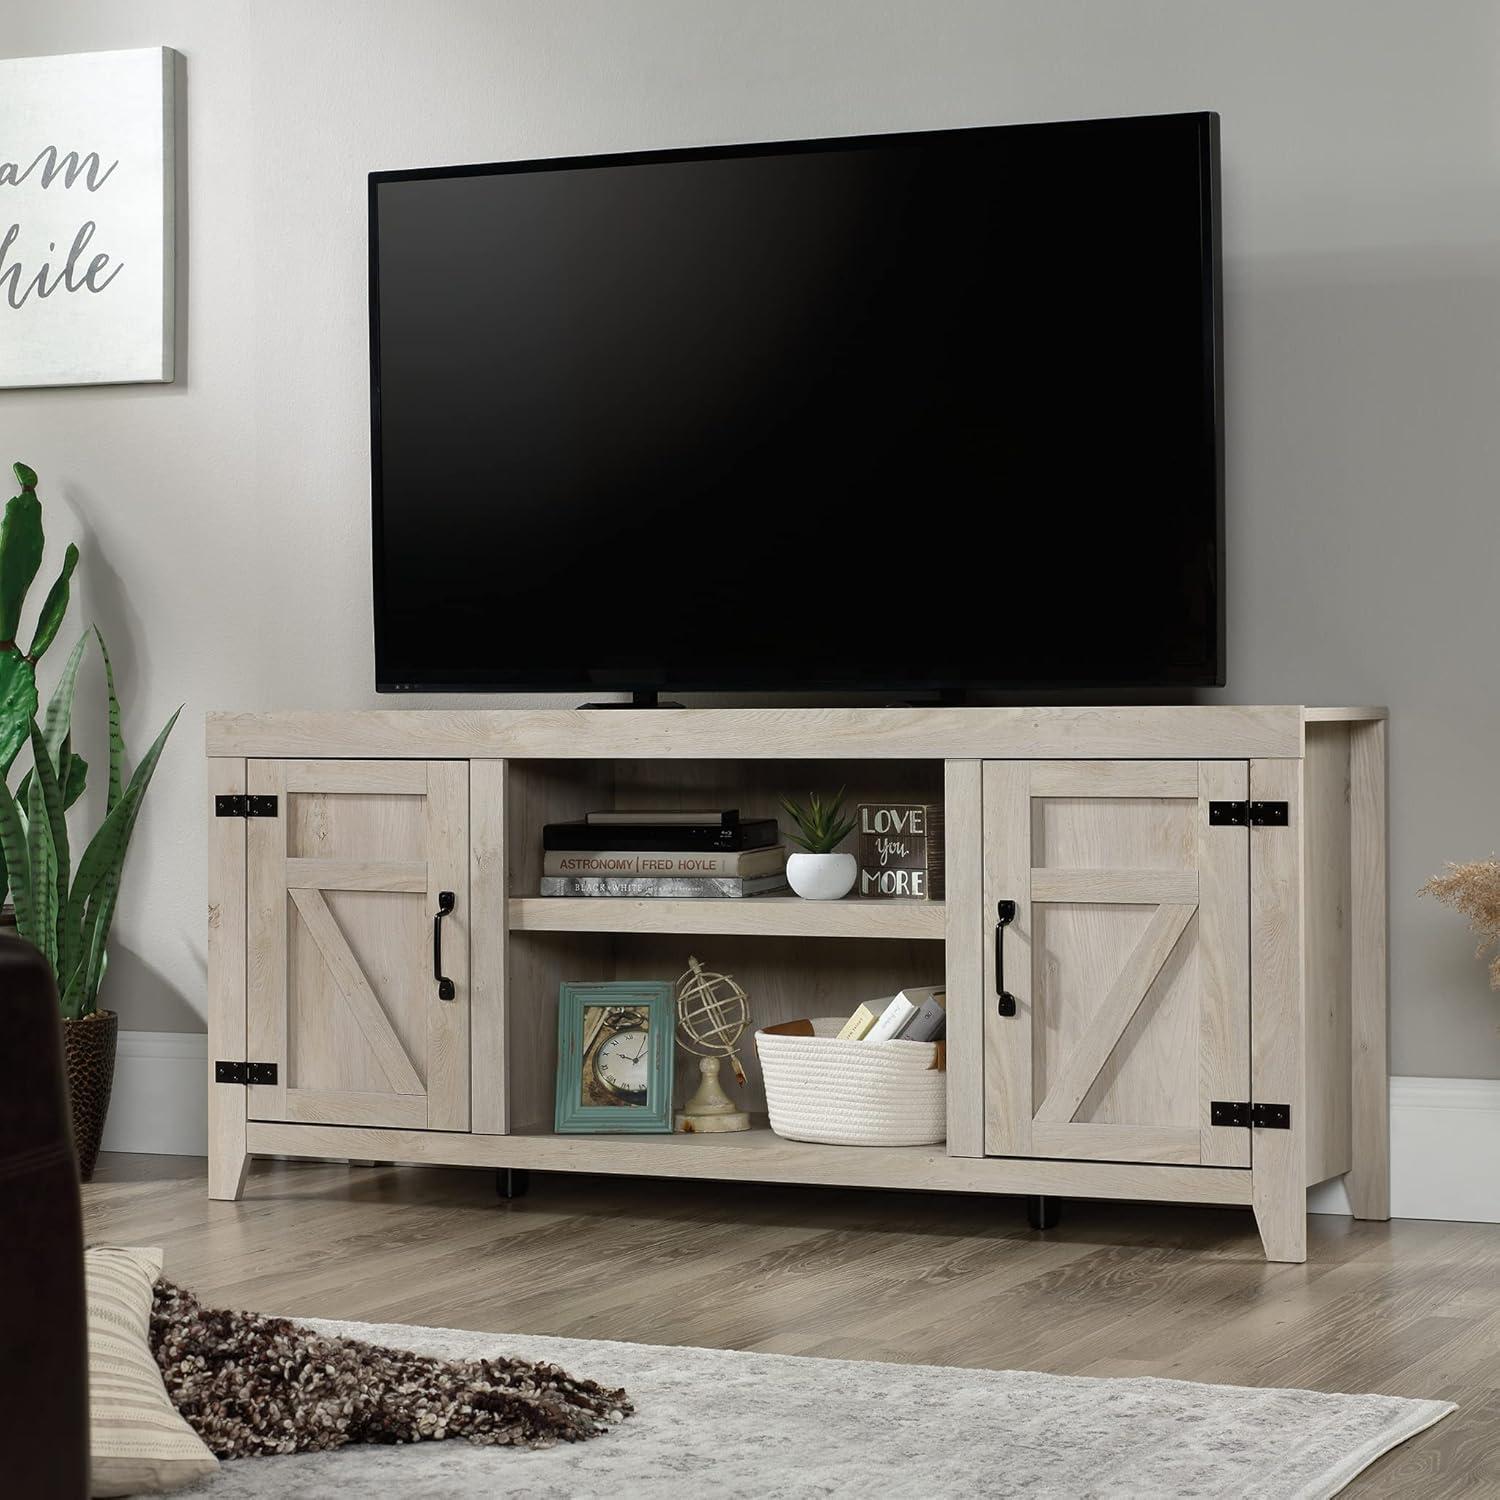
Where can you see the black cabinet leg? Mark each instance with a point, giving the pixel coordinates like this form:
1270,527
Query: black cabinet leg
1042,1213
512,1182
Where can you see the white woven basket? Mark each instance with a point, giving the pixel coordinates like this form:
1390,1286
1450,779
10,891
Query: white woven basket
853,1093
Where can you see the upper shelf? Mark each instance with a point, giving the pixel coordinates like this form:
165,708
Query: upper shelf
1176,731
769,916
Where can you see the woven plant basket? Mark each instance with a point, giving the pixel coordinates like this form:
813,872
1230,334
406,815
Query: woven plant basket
89,1058
853,1093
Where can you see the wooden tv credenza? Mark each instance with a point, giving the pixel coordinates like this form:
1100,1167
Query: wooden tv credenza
1198,953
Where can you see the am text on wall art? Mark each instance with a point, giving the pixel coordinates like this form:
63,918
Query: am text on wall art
86,221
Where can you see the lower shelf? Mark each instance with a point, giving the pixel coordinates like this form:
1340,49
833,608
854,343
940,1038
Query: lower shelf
758,1156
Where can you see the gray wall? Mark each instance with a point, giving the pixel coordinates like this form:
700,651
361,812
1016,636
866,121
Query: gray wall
225,517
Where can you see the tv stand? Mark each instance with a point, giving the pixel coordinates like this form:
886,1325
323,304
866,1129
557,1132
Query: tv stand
1197,955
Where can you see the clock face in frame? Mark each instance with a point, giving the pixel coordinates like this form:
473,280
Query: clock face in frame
616,1055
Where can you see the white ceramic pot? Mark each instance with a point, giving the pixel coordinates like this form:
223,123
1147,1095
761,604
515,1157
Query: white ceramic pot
821,877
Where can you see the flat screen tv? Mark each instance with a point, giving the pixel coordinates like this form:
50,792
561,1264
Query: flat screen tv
929,413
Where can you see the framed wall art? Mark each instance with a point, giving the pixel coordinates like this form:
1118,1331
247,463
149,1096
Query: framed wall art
87,275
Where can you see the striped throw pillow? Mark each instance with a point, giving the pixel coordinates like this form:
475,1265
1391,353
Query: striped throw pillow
139,1444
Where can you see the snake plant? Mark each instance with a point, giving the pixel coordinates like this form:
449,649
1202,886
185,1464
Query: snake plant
21,540
65,911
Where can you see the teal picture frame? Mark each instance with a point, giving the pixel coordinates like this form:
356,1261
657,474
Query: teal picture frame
588,1015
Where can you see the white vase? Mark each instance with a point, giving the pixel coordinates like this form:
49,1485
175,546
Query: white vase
821,877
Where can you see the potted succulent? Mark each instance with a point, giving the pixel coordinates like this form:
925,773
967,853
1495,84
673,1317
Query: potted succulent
64,909
820,873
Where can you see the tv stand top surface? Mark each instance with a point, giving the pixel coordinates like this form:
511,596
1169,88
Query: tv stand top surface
1179,731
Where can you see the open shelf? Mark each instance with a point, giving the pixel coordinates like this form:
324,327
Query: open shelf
768,916
794,958
757,1155
759,1137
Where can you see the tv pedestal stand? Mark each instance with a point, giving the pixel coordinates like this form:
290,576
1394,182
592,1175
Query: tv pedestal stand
1184,1002
638,699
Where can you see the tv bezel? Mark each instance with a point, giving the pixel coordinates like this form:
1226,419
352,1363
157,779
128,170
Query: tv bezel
1211,263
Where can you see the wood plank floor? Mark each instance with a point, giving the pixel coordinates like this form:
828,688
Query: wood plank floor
1410,1308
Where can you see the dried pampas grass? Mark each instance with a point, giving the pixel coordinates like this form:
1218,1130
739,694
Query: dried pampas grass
1474,889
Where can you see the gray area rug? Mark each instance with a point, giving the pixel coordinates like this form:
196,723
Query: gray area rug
727,1424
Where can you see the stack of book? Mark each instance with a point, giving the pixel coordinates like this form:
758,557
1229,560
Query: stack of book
680,855
917,1014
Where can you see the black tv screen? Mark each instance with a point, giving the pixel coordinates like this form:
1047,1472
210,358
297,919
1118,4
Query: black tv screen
932,412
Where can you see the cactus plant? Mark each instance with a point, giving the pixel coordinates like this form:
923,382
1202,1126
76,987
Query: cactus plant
67,912
21,542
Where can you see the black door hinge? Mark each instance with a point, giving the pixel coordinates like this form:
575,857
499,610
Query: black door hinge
244,1072
239,806
1248,814
1259,1116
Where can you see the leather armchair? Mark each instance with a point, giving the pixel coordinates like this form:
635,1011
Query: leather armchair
44,1414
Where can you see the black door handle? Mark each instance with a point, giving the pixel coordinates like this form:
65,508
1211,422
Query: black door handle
446,900
1005,914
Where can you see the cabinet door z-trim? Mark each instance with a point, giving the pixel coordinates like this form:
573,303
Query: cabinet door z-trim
1122,927
344,883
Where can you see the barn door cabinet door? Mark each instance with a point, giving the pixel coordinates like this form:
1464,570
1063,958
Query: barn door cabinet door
345,884
1126,960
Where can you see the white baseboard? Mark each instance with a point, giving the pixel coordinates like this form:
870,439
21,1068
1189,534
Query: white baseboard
159,1103
1445,1132
1445,1152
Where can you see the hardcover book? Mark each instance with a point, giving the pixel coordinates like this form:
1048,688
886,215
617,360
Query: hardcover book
753,833
898,1011
928,1025
917,993
747,863
686,888
859,1023
900,850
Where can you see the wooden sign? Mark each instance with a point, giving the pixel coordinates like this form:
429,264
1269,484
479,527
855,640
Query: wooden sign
900,850
86,218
